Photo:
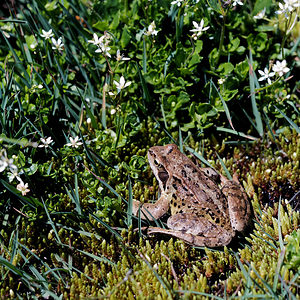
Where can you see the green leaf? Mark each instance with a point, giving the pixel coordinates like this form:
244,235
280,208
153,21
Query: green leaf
125,38
101,25
116,20
225,68
234,44
215,5
242,69
258,42
213,55
260,5
50,6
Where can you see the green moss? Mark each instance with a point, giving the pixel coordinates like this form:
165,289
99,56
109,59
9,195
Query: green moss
140,266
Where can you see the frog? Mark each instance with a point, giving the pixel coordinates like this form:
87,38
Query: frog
206,208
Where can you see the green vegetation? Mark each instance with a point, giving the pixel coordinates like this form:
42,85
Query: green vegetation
87,87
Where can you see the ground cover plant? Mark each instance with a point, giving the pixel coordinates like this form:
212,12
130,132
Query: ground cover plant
87,87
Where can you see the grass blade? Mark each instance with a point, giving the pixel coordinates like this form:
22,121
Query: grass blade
236,133
258,120
200,157
51,223
279,265
146,93
224,167
113,232
98,258
225,106
288,119
180,140
130,200
144,56
74,196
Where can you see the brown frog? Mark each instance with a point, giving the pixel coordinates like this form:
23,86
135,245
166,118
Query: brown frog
202,213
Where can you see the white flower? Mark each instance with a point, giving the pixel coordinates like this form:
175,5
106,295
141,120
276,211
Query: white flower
95,41
151,29
104,39
23,188
101,43
6,162
221,81
261,14
57,44
283,10
102,48
265,74
45,142
13,174
177,2
235,2
113,111
74,142
291,4
121,56
47,34
121,85
287,7
280,67
198,29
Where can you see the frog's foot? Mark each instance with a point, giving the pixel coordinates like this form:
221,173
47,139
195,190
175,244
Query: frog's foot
194,240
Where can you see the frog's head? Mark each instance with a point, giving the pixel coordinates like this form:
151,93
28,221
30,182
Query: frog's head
159,161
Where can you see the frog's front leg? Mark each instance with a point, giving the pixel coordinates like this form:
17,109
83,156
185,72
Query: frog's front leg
196,231
152,210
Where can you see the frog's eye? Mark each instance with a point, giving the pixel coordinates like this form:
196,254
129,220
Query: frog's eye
155,162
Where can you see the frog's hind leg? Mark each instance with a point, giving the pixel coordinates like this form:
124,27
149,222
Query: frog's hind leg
195,230
238,204
194,240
